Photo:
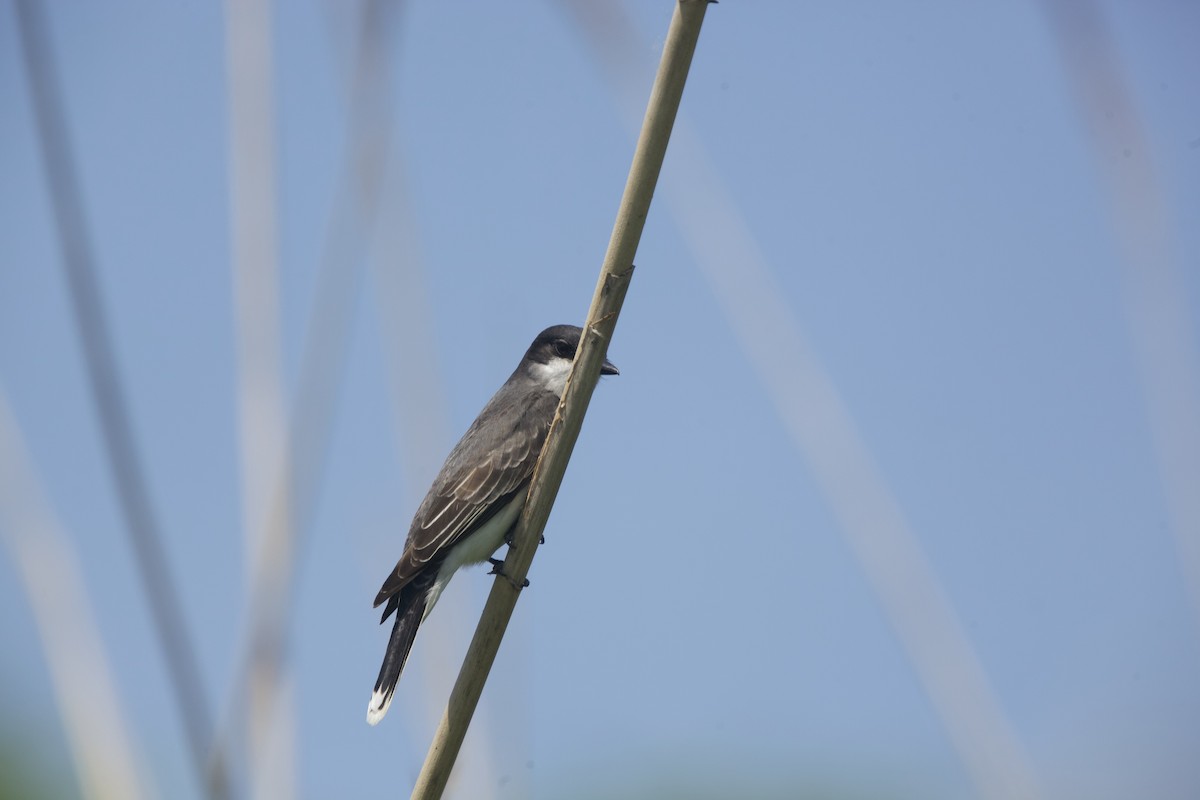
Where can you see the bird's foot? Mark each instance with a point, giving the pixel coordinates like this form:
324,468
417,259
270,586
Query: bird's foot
498,569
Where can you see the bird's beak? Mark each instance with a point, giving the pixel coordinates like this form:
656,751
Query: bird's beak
609,368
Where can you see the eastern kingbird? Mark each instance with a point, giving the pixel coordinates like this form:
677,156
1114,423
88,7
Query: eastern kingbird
474,502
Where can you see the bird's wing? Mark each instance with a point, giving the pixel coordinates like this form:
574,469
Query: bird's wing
461,500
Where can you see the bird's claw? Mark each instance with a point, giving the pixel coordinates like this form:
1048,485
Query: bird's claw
508,538
498,569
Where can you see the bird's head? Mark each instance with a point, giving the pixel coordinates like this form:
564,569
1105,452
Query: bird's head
549,358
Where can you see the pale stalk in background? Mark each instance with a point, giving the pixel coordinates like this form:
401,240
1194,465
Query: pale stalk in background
270,745
822,428
609,296
1155,292
297,478
103,751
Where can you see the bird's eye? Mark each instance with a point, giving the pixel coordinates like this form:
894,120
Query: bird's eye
562,349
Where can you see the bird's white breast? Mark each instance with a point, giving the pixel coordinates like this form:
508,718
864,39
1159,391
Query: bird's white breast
477,547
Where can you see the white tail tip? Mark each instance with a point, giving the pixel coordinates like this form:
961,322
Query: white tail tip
377,707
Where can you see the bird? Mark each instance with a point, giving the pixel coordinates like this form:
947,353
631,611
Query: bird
476,498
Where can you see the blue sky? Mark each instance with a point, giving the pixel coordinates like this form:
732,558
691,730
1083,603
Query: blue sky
936,210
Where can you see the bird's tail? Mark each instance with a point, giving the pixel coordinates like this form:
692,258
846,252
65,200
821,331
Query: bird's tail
410,610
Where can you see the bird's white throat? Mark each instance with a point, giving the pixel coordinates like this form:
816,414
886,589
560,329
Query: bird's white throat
553,375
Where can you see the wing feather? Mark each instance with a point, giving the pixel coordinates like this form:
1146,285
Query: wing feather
465,494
